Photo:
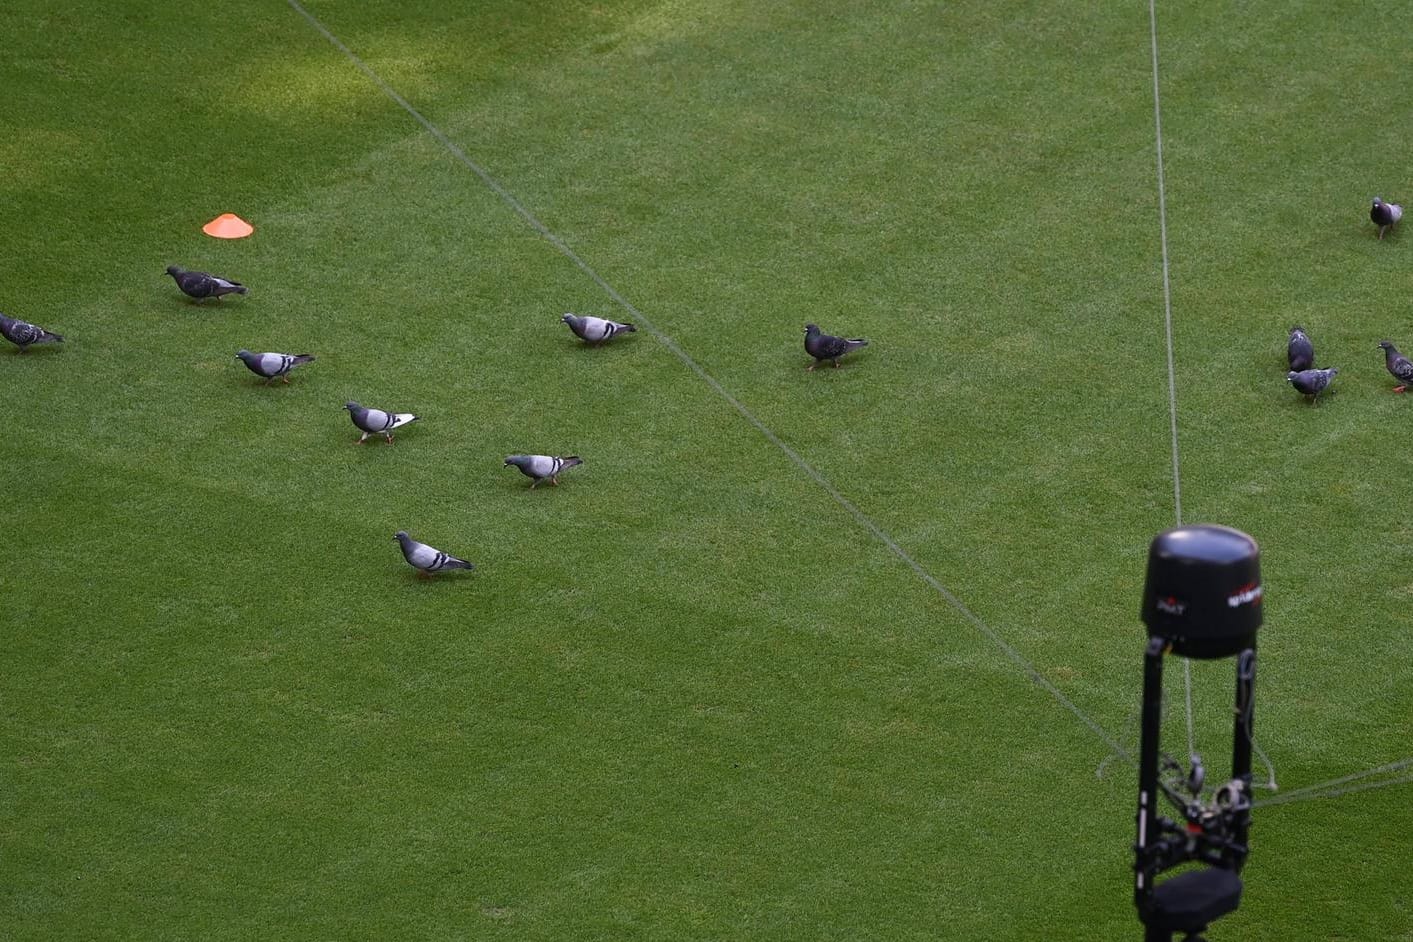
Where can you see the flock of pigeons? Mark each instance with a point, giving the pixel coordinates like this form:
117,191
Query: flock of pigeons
202,286
1311,382
1300,352
824,348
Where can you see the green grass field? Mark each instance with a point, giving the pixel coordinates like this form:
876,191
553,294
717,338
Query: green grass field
687,694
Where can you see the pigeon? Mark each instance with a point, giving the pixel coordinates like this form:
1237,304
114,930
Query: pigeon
540,467
595,330
1299,350
201,285
823,347
427,559
272,365
1398,364
24,334
1311,382
1384,215
376,421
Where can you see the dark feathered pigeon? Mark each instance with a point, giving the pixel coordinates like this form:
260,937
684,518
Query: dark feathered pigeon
1311,382
24,334
376,421
540,467
1384,215
1398,364
1300,351
202,285
427,559
273,365
823,347
595,329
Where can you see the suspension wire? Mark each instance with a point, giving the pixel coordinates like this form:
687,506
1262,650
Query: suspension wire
1334,792
1187,689
1335,786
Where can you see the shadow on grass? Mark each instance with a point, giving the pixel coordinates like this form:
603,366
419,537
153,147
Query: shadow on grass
251,381
596,348
39,349
1301,401
522,483
413,579
377,438
855,360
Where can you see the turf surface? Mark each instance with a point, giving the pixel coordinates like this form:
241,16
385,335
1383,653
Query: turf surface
686,694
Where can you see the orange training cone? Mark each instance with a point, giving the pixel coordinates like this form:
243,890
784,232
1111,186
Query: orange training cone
228,226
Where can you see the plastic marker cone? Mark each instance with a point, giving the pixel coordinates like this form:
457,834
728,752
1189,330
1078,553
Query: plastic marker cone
228,226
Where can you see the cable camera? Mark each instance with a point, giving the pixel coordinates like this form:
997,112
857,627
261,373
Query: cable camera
1202,600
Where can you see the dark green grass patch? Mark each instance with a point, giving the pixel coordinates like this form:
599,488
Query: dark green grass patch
685,694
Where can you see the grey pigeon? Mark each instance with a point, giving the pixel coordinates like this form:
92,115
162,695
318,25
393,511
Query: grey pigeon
376,421
202,285
1311,382
540,467
823,347
1384,215
595,330
273,365
24,334
1300,351
427,559
1398,364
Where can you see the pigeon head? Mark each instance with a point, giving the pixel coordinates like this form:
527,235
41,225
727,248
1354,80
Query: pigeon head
570,318
175,270
400,535
518,461
352,406
811,328
1385,345
243,354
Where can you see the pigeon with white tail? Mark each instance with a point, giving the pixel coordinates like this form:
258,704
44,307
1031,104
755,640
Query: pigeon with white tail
543,467
376,421
273,366
201,285
595,330
824,346
427,559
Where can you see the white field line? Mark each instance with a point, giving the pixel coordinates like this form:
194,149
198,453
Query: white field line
638,317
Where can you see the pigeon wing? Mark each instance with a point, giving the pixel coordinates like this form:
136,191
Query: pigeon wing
371,420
